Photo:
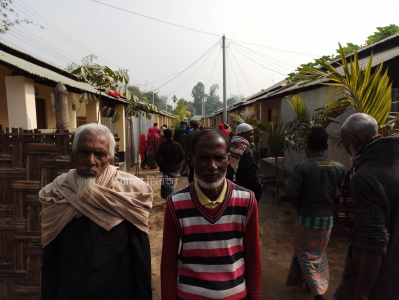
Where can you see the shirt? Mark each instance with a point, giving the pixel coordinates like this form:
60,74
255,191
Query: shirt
205,201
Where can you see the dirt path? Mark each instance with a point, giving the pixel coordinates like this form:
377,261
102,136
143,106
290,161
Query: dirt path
277,220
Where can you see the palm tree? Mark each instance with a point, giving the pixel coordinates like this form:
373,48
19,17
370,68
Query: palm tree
364,92
276,137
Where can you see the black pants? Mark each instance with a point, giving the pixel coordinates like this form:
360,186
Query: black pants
191,175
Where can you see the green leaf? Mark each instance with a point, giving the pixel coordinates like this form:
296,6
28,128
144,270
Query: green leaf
115,117
81,97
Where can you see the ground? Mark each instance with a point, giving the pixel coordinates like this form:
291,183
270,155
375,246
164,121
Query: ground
277,220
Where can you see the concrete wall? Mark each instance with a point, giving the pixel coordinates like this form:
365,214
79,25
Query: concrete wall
21,105
313,100
4,71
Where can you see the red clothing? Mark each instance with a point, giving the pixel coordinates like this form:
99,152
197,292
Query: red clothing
142,146
170,249
153,136
221,127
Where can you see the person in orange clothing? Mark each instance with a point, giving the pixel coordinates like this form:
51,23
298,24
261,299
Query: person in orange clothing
216,222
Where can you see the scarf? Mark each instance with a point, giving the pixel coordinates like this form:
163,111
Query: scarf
346,214
121,196
238,146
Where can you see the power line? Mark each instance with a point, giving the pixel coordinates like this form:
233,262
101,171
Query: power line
199,31
41,45
241,70
228,59
79,46
228,74
214,66
154,19
258,63
276,48
39,48
195,70
34,55
157,80
58,49
189,66
257,56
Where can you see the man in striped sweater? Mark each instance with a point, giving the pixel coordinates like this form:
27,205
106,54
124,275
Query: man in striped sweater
216,222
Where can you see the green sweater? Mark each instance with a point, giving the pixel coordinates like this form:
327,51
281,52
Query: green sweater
313,186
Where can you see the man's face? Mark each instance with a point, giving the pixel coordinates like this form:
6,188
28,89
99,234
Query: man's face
92,155
210,160
249,136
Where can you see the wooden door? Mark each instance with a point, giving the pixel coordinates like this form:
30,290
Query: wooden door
40,113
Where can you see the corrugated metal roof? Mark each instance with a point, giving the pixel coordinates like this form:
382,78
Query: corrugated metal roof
43,72
377,59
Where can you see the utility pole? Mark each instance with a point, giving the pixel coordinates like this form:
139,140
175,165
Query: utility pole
224,80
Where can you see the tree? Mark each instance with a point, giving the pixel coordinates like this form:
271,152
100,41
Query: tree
86,61
5,22
349,49
190,106
383,32
234,98
180,112
212,102
174,99
198,93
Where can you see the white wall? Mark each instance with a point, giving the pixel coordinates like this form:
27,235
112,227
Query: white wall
21,102
314,99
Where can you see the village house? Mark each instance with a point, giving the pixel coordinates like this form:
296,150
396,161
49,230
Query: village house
27,100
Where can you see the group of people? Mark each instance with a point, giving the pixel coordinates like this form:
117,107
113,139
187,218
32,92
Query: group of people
95,218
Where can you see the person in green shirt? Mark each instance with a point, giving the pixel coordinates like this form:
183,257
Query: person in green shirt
313,188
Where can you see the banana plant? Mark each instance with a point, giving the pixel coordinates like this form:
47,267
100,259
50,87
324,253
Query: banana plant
356,87
103,79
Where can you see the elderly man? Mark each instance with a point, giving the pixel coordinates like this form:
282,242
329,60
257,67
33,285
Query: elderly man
372,265
242,168
94,226
217,224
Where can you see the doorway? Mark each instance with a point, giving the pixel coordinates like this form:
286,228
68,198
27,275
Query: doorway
40,113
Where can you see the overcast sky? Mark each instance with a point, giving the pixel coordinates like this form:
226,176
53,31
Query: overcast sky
151,50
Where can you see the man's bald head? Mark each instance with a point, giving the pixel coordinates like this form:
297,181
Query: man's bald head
357,130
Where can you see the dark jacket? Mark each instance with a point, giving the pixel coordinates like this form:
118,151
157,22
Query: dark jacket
247,174
178,132
375,192
189,138
169,156
86,262
313,186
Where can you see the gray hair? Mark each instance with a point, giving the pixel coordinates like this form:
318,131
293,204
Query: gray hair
94,128
361,124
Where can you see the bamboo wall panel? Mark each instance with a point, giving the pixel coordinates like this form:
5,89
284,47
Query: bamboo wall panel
29,160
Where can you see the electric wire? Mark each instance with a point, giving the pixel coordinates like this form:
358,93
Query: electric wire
261,54
9,33
195,70
257,56
60,34
34,55
199,31
241,71
278,68
214,66
218,42
275,48
47,48
228,59
154,19
228,74
259,63
74,59
157,80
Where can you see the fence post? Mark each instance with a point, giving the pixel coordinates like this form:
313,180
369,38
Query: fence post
61,107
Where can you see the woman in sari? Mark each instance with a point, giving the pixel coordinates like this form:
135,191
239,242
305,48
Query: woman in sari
152,146
143,151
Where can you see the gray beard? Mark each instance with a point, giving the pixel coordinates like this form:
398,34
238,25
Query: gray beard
87,187
211,185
